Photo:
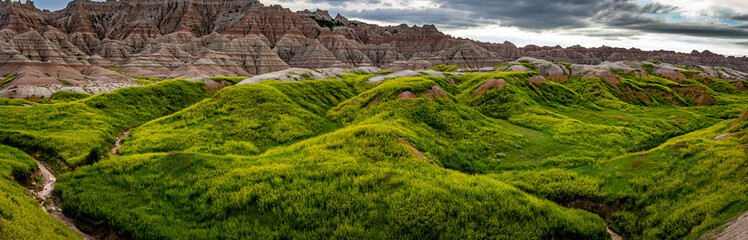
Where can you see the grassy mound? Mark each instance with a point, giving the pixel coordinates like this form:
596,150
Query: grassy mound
447,132
73,130
683,188
20,215
65,96
489,155
358,182
243,120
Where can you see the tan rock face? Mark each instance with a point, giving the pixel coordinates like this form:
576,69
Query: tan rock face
346,50
172,33
670,75
407,95
313,55
537,79
488,85
436,92
244,37
604,75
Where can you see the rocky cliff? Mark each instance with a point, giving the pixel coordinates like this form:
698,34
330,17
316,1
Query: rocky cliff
96,41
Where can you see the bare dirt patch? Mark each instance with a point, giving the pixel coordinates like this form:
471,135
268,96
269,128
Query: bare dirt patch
415,151
488,85
737,229
435,92
407,95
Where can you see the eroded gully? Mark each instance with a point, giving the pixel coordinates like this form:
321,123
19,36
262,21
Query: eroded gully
53,208
51,205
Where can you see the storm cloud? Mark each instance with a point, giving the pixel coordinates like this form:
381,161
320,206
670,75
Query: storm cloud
654,24
541,15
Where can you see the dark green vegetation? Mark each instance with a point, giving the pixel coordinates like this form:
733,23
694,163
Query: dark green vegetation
20,215
7,80
64,82
327,23
14,102
451,68
232,80
65,96
445,68
490,155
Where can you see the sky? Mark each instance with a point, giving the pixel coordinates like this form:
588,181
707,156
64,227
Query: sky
720,26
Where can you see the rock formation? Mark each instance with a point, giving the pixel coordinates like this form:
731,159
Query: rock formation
178,38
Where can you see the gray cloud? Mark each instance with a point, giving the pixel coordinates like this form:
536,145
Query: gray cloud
532,14
657,8
445,18
652,25
695,29
741,43
742,18
540,15
604,34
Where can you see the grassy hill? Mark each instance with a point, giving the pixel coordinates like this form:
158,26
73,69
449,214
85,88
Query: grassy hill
20,215
507,155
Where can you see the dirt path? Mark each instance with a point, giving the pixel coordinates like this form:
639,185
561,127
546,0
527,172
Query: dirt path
737,230
118,144
50,205
613,235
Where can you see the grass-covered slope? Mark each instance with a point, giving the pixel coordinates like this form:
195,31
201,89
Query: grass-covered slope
71,131
243,120
358,182
449,133
20,215
566,129
503,155
688,185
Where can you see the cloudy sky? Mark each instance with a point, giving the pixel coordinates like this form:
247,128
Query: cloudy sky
720,26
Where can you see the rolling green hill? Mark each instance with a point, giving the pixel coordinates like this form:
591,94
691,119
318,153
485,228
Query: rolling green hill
504,155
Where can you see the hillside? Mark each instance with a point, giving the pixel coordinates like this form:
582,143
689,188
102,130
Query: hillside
95,47
198,119
507,154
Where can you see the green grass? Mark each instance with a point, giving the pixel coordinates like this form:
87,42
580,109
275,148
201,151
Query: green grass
114,68
445,68
20,215
64,82
65,96
14,102
232,80
7,80
70,131
243,120
683,188
649,68
352,159
566,65
525,64
690,73
358,182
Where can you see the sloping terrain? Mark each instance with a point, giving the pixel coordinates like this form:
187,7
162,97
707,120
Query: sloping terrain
99,46
21,217
72,133
516,153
